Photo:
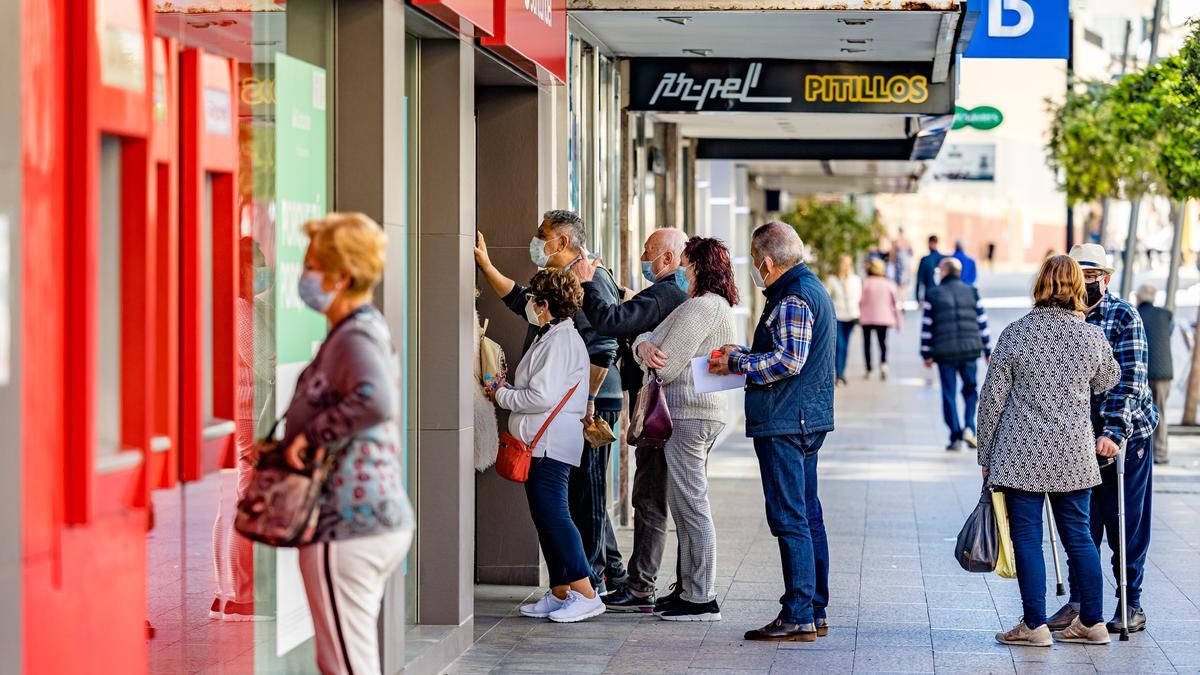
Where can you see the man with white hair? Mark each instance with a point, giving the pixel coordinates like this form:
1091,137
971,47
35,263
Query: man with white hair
626,321
1159,323
789,410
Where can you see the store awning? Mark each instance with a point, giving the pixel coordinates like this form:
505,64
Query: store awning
798,81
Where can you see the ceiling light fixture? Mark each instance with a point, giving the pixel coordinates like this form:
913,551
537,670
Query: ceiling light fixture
856,41
677,20
698,52
851,50
855,22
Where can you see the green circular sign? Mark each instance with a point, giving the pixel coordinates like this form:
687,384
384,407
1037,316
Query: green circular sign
984,117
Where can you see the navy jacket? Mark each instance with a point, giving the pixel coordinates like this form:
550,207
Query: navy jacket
927,274
803,403
954,330
602,349
626,321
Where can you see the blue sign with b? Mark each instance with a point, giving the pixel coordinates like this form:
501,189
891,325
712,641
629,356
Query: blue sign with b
1020,29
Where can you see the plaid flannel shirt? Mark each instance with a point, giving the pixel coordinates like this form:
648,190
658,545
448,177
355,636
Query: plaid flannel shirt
1126,412
791,326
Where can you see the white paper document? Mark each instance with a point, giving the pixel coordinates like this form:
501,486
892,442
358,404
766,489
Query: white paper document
707,383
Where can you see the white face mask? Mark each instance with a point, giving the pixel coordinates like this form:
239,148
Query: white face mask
756,275
531,313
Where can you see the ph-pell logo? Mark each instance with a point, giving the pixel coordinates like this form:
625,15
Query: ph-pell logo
866,89
682,87
542,9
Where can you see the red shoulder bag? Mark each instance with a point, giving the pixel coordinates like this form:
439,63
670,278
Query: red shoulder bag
514,457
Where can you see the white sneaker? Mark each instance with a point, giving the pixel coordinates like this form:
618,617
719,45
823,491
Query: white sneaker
542,608
578,607
969,438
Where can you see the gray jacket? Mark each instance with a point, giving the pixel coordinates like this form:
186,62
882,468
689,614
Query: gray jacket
348,399
1035,425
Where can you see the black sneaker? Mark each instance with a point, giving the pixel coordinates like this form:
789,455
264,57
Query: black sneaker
682,610
1137,621
1062,618
625,600
667,601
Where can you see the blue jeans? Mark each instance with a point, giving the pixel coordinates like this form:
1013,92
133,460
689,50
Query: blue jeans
1025,510
561,544
788,465
950,373
844,330
1138,493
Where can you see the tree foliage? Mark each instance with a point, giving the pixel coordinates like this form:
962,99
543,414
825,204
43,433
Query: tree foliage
831,229
1136,137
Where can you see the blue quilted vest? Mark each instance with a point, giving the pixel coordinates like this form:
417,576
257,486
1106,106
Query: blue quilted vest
801,404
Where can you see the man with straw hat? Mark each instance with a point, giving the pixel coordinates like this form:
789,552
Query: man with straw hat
1124,417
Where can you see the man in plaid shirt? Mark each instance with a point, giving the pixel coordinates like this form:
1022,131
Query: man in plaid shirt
1124,416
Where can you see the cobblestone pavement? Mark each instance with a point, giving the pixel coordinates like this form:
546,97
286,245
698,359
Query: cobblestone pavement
894,501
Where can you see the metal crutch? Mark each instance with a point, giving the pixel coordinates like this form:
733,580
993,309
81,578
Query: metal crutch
1062,588
1123,580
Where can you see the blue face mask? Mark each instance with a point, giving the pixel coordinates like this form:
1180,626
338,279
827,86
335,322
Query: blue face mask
311,292
681,279
648,268
262,279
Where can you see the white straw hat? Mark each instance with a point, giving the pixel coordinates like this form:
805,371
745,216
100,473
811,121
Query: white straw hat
1091,255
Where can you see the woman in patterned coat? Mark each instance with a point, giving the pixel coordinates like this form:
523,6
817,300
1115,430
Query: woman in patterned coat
1036,440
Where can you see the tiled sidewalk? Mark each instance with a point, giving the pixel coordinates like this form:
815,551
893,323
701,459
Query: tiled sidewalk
894,501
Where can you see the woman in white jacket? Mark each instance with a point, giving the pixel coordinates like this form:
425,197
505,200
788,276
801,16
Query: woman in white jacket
845,289
554,371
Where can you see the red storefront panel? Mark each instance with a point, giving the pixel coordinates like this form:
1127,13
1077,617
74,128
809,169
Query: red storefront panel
473,18
532,35
85,74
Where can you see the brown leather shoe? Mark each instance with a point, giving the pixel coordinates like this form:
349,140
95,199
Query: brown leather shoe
822,627
778,631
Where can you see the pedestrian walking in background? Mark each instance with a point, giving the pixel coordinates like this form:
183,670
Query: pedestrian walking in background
902,258
553,372
348,398
1123,417
1036,442
879,310
1159,324
927,269
845,290
559,244
969,269
789,410
696,328
954,334
640,314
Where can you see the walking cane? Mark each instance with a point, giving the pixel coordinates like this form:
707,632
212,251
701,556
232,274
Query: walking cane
1062,588
1124,580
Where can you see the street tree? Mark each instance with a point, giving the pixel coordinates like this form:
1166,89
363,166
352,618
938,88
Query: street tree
831,229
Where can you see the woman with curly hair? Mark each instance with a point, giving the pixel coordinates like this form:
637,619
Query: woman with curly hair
554,371
701,324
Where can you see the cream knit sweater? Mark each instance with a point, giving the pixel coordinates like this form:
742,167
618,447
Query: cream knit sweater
695,328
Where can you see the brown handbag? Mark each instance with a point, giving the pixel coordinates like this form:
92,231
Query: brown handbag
281,505
514,457
651,426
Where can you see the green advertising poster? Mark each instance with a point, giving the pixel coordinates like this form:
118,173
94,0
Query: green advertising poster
299,197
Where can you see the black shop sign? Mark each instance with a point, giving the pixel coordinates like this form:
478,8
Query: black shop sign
779,85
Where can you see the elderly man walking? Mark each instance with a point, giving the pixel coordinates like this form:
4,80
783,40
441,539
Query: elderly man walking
954,334
626,321
789,409
1159,323
1124,416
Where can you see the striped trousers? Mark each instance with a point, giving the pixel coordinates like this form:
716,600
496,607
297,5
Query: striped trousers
344,583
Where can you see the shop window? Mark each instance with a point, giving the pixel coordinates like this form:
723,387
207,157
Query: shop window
108,308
